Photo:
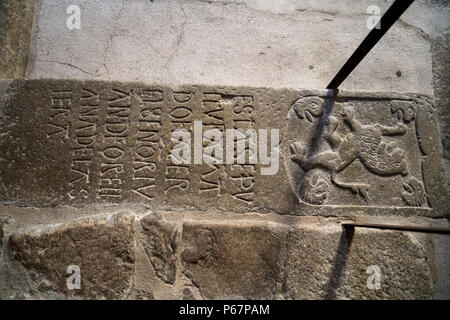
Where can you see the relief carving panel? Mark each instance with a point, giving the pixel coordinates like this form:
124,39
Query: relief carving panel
362,151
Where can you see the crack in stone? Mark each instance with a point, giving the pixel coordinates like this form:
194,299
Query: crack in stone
111,37
177,44
68,64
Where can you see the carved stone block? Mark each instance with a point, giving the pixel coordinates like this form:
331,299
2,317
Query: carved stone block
227,261
68,142
325,263
102,247
159,241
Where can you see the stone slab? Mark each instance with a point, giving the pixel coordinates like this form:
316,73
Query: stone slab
68,142
230,261
134,253
160,244
16,22
260,260
325,262
102,247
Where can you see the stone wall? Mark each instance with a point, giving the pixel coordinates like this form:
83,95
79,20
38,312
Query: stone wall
87,184
286,44
16,22
131,252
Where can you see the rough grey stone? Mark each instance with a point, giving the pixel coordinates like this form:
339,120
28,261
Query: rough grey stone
234,261
223,255
16,21
160,243
4,221
2,233
441,264
14,284
323,262
441,81
238,42
1,236
102,247
201,42
355,152
186,294
142,295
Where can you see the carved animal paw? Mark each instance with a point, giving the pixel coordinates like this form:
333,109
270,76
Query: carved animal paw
298,151
314,189
331,135
361,190
414,193
332,122
346,112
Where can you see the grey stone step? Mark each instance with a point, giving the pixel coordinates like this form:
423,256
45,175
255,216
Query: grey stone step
127,254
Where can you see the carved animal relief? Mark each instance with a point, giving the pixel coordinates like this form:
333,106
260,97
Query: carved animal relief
356,152
87,142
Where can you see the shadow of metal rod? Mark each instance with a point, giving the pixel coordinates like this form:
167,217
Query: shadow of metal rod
350,224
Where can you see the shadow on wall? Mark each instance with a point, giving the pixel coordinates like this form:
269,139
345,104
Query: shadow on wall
339,262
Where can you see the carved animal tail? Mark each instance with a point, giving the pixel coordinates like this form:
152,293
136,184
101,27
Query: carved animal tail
360,189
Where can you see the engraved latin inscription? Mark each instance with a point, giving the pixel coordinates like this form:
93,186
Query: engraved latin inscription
120,142
147,148
58,119
85,136
67,142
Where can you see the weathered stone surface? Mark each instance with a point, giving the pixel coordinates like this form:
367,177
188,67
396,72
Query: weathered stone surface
16,21
219,255
201,42
85,142
231,261
289,43
3,220
102,247
368,154
160,243
13,283
1,236
325,263
441,81
93,143
441,264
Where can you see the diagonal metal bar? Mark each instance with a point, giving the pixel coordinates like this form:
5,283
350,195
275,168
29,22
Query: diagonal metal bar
387,20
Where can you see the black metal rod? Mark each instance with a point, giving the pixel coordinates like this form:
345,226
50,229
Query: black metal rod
396,227
387,20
